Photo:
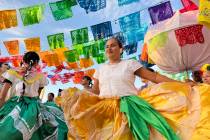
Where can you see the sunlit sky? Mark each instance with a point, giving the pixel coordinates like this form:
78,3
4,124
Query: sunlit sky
80,19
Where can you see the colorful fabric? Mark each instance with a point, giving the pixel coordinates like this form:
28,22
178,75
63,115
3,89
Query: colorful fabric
158,41
94,50
182,76
131,28
188,6
133,58
54,78
86,51
42,55
144,53
32,44
189,35
144,58
120,36
66,78
100,58
32,15
33,82
53,104
135,35
52,59
72,65
79,48
204,13
131,48
101,44
160,12
85,63
185,109
12,47
102,30
16,60
56,41
58,68
141,115
78,77
16,63
29,119
182,58
58,101
8,19
61,9
96,5
92,5
72,2
196,2
130,22
90,72
60,53
111,123
126,2
71,55
79,36
205,68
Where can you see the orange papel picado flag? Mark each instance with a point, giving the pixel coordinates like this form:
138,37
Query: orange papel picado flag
12,47
8,19
32,44
90,72
86,62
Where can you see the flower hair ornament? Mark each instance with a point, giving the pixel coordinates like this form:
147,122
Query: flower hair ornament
205,68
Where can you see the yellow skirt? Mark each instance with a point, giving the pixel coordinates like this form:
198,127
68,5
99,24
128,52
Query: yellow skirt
186,109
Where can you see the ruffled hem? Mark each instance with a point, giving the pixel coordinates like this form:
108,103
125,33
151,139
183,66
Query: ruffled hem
184,108
27,118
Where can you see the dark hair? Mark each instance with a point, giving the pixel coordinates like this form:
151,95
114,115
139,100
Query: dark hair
31,58
1,63
197,76
60,90
51,94
208,68
118,41
88,78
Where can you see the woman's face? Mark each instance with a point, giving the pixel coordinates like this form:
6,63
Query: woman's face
4,67
113,50
24,65
206,77
85,82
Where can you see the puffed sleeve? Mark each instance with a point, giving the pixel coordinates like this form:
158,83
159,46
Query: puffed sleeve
9,76
134,65
43,81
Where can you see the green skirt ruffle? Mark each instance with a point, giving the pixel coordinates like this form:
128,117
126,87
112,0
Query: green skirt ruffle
29,119
141,115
